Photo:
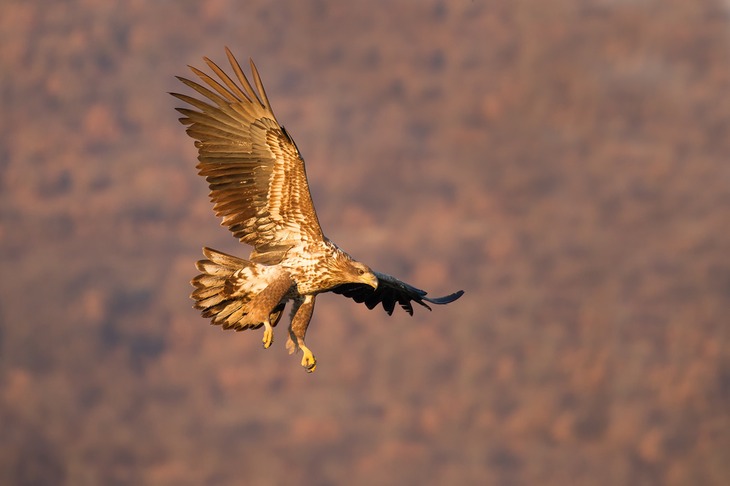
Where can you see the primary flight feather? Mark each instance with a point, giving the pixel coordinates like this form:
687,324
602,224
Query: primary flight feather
259,189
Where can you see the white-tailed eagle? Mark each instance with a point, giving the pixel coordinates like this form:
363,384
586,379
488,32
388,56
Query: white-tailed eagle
259,189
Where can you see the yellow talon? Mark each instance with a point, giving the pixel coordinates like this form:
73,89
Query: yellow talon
268,335
309,362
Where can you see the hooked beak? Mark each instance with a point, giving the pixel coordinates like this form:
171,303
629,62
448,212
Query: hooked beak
371,280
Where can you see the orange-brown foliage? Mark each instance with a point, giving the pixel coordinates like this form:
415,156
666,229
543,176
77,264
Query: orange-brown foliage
564,162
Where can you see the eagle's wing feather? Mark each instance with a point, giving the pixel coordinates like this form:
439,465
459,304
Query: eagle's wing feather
391,291
256,175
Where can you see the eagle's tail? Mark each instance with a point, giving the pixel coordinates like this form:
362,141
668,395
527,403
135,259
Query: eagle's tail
217,296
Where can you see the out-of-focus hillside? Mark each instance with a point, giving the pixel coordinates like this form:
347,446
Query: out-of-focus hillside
565,162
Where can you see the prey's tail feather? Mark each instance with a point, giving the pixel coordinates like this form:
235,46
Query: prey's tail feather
221,294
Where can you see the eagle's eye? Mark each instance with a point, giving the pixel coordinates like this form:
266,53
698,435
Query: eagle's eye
360,271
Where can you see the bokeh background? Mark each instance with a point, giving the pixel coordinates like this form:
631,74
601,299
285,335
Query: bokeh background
564,162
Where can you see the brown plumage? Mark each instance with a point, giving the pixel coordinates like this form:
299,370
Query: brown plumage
259,188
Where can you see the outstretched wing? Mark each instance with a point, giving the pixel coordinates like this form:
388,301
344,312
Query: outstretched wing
256,175
391,290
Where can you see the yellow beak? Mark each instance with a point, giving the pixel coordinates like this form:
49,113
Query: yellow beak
371,280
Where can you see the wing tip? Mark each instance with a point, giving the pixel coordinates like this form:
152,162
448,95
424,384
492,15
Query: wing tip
446,299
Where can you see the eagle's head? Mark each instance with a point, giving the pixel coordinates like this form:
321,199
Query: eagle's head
345,270
362,274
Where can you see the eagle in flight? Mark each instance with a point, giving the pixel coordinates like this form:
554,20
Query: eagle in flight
259,188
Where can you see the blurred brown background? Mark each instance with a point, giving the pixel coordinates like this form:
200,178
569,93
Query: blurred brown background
564,162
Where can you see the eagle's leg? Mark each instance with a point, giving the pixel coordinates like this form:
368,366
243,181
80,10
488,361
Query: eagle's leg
265,302
301,315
